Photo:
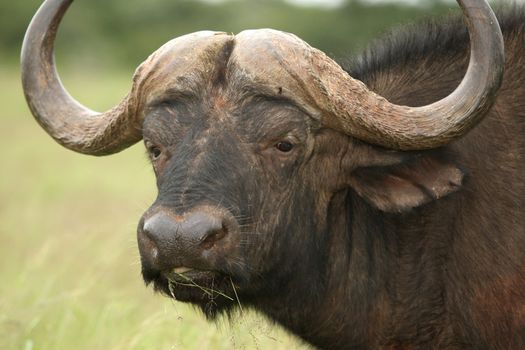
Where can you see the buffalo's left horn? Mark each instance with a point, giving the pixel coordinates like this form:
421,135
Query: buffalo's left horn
67,121
350,107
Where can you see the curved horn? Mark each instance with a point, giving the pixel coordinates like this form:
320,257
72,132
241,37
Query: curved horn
355,110
67,121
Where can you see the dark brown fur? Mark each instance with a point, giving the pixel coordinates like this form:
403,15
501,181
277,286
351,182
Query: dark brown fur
348,245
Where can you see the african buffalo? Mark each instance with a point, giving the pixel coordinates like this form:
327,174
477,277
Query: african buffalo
356,219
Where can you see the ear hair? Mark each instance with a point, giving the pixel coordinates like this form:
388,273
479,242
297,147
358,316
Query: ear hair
408,184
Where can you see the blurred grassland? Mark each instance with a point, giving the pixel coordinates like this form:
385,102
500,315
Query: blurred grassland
69,264
125,32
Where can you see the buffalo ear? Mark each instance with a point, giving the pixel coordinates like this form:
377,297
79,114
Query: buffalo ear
410,183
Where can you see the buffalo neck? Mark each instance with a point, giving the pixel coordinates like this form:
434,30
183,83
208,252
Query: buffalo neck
379,266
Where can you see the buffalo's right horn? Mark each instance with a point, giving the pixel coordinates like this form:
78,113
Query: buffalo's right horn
357,111
67,121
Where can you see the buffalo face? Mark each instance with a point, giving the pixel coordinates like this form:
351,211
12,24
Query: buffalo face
236,193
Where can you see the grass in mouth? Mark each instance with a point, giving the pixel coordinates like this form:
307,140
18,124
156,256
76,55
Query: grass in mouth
190,283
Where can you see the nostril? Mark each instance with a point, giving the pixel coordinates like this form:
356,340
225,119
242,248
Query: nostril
160,229
212,236
149,228
147,245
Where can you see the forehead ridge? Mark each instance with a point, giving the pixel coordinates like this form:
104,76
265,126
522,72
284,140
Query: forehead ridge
253,62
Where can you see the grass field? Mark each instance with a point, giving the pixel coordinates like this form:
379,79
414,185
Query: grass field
69,264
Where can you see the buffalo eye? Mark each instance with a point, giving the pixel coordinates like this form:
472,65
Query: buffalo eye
284,146
154,152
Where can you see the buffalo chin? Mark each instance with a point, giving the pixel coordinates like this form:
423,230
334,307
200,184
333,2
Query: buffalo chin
212,292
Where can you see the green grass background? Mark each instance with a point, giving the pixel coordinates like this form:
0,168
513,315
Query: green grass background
69,264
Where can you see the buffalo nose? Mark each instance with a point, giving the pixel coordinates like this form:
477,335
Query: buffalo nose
168,240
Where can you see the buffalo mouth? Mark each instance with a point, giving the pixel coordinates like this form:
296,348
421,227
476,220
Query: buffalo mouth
208,284
211,290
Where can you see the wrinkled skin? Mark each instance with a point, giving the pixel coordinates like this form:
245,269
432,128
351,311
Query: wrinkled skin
208,158
349,245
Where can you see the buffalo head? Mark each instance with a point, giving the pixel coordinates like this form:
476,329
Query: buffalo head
250,136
